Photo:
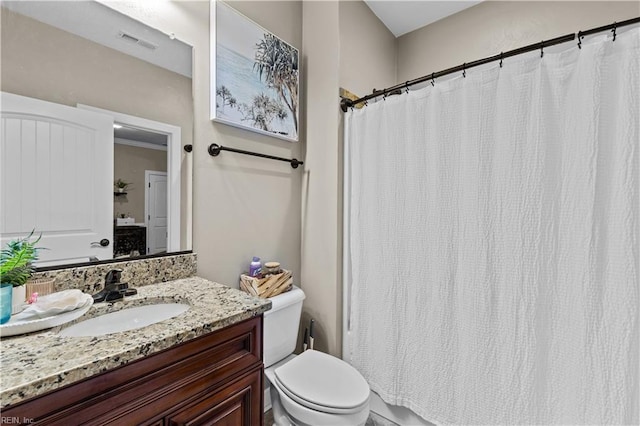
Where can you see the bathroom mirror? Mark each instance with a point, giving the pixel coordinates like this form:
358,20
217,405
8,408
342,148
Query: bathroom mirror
94,192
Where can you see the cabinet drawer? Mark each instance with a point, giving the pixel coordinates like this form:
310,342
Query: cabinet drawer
236,404
142,390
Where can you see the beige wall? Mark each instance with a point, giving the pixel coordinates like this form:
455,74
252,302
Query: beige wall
243,206
129,164
345,45
246,206
492,27
43,62
368,51
320,244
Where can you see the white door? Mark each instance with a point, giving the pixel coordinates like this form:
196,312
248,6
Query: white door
56,178
156,211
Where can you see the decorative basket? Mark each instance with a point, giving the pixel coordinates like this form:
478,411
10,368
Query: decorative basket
267,287
41,286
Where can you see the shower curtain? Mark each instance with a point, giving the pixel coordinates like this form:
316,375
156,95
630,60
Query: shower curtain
492,241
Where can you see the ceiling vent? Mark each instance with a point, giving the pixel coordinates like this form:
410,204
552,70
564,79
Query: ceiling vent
140,42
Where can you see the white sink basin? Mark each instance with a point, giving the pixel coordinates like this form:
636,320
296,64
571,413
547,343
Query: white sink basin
124,320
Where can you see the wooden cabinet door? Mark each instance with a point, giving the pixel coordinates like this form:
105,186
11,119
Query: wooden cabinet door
213,379
237,404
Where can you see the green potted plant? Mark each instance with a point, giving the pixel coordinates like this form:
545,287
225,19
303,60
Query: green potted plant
16,267
120,185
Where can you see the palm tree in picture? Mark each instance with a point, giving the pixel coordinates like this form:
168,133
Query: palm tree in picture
262,111
277,64
227,98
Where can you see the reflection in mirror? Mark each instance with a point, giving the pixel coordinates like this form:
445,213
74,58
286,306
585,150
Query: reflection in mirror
95,110
135,150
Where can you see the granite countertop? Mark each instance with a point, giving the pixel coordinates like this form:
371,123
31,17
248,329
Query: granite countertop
36,363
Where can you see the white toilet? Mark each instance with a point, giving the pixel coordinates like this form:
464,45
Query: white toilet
313,388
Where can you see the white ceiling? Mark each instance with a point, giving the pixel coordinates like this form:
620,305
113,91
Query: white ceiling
101,24
402,16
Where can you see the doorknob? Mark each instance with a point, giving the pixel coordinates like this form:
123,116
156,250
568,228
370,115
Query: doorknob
103,242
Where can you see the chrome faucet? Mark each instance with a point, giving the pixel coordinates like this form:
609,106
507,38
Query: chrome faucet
113,288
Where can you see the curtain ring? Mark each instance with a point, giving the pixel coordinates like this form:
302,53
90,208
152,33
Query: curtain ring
433,80
406,86
542,48
501,58
615,27
579,39
464,70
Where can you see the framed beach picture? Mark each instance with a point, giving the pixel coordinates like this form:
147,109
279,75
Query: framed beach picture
254,76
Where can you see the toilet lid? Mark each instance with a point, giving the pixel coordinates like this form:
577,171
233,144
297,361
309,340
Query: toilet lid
323,382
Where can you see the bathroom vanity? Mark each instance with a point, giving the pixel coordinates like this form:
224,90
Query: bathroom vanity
202,367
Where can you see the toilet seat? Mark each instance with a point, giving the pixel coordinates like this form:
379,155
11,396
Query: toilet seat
337,388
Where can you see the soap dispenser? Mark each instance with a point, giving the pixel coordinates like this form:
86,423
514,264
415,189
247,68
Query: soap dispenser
256,267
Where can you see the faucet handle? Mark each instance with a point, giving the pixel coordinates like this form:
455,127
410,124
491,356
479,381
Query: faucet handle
113,276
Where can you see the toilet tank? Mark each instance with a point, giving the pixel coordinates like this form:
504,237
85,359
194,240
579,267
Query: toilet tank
280,328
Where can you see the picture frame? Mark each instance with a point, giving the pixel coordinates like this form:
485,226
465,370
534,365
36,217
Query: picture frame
255,77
